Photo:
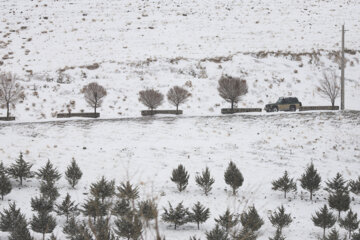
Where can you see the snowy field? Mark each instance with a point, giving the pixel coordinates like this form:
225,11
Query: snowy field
145,150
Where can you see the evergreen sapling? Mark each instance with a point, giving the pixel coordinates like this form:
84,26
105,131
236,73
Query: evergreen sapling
205,181
355,186
228,220
324,219
10,217
350,222
199,214
340,201
48,173
20,169
128,192
181,177
217,233
280,219
251,220
5,185
233,177
178,216
67,207
284,184
21,231
43,223
310,180
73,173
129,226
103,189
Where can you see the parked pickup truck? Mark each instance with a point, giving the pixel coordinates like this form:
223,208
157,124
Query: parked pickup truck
284,104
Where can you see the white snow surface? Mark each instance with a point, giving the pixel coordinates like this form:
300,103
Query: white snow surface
145,150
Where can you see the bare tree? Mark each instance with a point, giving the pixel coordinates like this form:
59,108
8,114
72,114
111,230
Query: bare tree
177,95
10,91
94,94
231,89
329,87
151,98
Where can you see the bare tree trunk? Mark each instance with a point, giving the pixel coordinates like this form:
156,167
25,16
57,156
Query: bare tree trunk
232,106
177,109
333,103
7,110
311,195
324,234
284,194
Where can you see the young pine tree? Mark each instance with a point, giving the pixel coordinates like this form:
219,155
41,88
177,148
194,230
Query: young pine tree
67,207
43,223
121,208
147,210
129,226
217,233
333,235
103,189
20,169
5,185
310,180
21,231
48,173
340,201
39,204
228,220
245,234
280,219
73,173
205,181
233,177
178,216
199,214
10,217
355,186
278,236
251,220
2,168
324,219
284,184
95,208
49,191
356,236
181,177
128,192
350,222
337,184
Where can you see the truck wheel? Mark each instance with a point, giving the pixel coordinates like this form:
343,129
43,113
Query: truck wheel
275,109
292,108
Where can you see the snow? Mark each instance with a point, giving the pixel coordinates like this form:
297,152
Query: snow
280,47
145,150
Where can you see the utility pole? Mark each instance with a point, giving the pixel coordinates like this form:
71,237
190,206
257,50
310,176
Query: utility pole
343,68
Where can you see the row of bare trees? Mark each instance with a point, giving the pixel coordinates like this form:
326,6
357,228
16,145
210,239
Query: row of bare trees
231,89
153,98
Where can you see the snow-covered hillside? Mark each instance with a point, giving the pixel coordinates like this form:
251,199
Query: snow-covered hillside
145,151
143,44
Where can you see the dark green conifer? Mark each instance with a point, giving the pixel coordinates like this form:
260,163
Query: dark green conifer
278,235
103,189
49,191
334,235
5,185
48,173
67,207
181,177
245,234
205,181
43,223
216,233
233,177
251,220
9,217
280,219
284,184
128,192
20,230
129,226
20,169
95,208
121,208
356,236
39,204
147,210
73,173
200,214
337,184
355,186
350,222
310,180
340,201
228,220
324,219
178,216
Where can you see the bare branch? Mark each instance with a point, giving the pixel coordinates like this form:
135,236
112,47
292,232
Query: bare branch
94,94
329,87
151,98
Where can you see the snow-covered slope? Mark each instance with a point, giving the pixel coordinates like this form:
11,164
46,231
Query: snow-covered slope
142,44
146,150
